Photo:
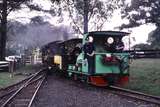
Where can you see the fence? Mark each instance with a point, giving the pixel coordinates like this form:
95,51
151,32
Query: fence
4,66
145,54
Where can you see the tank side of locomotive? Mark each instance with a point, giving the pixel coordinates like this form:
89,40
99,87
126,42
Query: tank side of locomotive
111,66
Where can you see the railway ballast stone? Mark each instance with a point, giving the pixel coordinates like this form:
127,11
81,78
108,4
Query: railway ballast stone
60,92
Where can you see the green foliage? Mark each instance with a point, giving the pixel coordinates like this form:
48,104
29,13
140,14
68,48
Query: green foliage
37,7
19,74
10,52
37,20
96,11
141,12
154,38
6,80
142,46
6,6
13,5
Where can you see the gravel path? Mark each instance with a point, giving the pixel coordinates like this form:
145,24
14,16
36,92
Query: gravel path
60,92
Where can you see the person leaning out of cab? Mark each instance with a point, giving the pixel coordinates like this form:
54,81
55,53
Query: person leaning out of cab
89,53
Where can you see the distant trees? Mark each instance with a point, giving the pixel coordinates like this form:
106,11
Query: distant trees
142,46
85,13
6,6
34,34
141,12
154,38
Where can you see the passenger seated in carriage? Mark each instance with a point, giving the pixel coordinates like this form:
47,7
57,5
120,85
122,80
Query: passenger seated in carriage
89,51
75,52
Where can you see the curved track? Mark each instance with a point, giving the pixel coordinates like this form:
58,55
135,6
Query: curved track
22,93
136,95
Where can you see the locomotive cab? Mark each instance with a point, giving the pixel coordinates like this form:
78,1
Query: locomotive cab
110,61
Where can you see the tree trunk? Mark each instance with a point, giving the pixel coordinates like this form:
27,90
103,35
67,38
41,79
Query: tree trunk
3,31
85,16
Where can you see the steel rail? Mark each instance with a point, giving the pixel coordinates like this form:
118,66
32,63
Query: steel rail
1,89
135,92
23,86
4,105
17,88
7,93
34,95
154,100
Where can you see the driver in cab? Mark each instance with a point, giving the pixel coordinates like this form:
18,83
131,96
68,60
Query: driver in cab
89,54
114,44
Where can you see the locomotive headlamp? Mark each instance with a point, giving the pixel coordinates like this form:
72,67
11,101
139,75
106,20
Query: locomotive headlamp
110,40
90,39
108,55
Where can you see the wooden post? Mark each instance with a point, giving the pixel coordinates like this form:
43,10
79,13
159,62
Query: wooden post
11,68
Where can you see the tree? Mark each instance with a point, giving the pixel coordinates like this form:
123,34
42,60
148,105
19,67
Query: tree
34,34
3,28
154,38
140,12
85,13
6,6
142,46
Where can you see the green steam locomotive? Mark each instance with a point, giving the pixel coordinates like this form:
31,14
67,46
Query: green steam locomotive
98,58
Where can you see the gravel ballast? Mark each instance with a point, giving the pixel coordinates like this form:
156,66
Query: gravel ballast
61,92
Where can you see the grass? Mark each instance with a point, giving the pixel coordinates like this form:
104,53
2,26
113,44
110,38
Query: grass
20,74
28,69
6,79
145,76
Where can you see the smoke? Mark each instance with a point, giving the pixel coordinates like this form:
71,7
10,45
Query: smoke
38,35
35,35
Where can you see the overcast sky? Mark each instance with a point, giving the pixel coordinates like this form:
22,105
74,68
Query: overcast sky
140,33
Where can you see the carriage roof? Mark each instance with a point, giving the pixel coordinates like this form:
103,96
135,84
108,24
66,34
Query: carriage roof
108,33
51,44
60,42
77,40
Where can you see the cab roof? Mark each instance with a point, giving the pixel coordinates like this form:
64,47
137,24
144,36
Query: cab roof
108,33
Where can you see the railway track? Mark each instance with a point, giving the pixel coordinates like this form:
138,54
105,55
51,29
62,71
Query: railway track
136,95
22,93
127,93
12,88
